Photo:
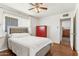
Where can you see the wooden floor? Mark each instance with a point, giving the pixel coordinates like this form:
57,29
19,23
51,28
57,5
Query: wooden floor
7,53
61,50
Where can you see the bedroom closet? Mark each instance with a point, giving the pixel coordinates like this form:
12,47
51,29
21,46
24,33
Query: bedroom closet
65,25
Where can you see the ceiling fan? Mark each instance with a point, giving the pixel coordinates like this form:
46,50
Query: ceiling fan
38,7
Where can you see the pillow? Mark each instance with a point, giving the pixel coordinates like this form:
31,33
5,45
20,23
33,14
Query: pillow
17,35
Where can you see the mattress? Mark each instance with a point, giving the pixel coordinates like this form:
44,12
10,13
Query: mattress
28,45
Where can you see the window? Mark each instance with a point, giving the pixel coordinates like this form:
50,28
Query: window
9,21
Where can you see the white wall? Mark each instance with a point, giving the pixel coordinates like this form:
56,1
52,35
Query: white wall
53,23
34,23
77,28
1,20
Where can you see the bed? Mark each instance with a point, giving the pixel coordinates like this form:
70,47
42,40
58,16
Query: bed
23,44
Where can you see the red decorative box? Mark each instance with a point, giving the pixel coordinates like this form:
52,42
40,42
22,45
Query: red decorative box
41,31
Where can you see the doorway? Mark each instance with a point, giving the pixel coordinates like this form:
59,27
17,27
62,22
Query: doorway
65,25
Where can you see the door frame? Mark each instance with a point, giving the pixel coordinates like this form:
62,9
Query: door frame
61,20
74,33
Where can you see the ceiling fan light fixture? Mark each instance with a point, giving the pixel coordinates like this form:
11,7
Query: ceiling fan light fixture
38,7
39,10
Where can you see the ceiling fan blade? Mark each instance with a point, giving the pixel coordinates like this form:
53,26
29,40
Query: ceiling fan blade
43,8
30,8
32,4
41,3
38,3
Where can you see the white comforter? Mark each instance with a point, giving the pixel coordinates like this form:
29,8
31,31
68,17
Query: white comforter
27,45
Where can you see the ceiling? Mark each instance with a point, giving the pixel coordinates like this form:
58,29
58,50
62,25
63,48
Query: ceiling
53,8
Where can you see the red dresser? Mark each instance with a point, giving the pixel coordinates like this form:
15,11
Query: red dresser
41,31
